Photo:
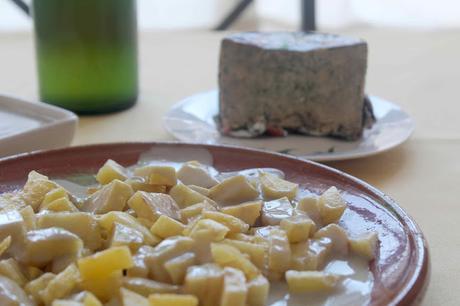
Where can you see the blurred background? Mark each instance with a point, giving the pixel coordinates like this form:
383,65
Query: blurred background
276,14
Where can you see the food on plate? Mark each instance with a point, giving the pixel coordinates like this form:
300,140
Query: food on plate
308,83
185,235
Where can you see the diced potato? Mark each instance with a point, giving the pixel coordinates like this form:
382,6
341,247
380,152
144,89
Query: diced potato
234,224
30,220
43,245
310,281
228,256
83,225
365,245
62,204
274,187
4,245
202,190
104,287
298,228
11,294
139,184
275,211
11,269
152,205
12,201
193,173
35,189
310,206
110,197
318,253
331,206
127,236
184,196
105,262
12,225
108,220
54,194
60,263
145,287
234,292
338,236
130,298
166,227
32,272
167,249
194,210
205,282
139,268
217,230
177,267
279,252
61,285
89,299
233,190
110,171
248,212
168,299
256,252
258,289
35,287
158,175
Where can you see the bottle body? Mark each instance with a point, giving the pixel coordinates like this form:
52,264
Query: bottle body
87,54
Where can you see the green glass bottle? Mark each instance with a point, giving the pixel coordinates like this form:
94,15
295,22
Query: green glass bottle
87,54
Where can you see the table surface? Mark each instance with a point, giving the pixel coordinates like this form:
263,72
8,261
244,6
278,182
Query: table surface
419,70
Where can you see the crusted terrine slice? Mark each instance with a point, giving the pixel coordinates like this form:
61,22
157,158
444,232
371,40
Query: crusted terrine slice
309,83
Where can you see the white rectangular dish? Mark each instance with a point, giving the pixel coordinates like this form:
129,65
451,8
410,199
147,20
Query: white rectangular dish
27,126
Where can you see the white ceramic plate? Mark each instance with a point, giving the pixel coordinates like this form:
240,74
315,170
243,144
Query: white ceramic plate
192,120
27,126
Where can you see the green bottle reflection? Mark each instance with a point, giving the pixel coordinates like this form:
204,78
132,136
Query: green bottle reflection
87,54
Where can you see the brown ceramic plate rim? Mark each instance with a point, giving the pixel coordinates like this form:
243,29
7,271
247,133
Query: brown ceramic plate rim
409,293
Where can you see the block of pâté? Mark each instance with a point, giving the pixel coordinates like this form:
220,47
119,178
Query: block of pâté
272,83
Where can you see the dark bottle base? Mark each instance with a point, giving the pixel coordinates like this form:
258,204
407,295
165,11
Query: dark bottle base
99,107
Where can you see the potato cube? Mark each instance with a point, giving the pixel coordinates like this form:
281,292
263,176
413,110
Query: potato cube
177,267
184,196
248,212
105,262
130,298
83,225
217,230
193,173
4,245
205,282
338,236
167,249
228,256
234,292
110,171
310,205
256,252
123,235
139,268
168,299
166,227
202,190
32,272
12,225
298,228
233,190
274,187
110,197
279,252
105,286
158,175
108,220
310,281
194,210
55,194
61,285
139,184
275,211
331,206
30,220
33,288
35,189
234,224
258,289
311,255
145,287
11,269
12,295
365,245
152,205
62,204
43,245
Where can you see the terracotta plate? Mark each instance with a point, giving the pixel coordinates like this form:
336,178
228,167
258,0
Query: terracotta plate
402,265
